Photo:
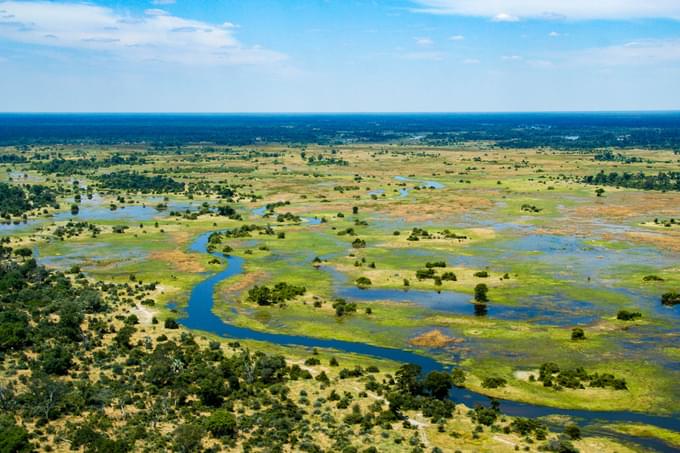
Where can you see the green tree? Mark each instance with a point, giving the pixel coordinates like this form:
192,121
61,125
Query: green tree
438,384
481,291
13,438
222,424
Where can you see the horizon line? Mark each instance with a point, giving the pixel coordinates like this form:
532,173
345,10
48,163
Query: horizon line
376,112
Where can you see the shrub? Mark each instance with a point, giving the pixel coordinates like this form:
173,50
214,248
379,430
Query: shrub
363,281
13,438
625,315
578,334
481,291
493,382
670,298
221,424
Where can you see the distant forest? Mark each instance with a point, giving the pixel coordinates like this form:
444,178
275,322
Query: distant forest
567,131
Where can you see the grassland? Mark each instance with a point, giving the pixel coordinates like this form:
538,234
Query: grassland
573,261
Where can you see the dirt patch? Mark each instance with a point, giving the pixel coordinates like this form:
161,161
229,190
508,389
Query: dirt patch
181,261
524,375
435,339
143,313
246,281
669,240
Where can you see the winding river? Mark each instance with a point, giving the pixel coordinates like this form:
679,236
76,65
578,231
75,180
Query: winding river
199,316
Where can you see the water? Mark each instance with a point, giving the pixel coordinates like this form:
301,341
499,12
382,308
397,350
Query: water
259,212
566,312
422,183
199,316
99,209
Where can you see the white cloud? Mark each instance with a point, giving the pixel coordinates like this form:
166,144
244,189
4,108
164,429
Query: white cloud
554,34
424,41
511,58
643,52
156,12
457,38
504,17
554,9
156,35
471,61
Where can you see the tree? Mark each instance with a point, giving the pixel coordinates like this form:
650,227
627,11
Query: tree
407,378
670,298
362,282
578,334
438,384
573,431
481,291
211,390
221,424
23,252
14,329
188,438
57,360
123,337
625,315
458,377
13,438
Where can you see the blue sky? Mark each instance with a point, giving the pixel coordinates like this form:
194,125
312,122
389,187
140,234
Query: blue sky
339,55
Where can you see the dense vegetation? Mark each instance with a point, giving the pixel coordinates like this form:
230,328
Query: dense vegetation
17,200
526,130
77,375
660,181
62,166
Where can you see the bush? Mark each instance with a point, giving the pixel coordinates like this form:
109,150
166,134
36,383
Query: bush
221,424
493,382
670,299
625,315
13,438
481,291
56,360
578,334
170,323
573,431
363,281
187,437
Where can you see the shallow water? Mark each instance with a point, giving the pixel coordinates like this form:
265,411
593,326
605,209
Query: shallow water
199,316
98,208
571,312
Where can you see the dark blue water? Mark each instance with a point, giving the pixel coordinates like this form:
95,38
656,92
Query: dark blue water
199,316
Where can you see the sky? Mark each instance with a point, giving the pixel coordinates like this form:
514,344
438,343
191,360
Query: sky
339,55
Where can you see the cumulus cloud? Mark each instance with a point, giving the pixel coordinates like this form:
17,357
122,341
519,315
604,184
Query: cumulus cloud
504,17
456,38
509,10
156,35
